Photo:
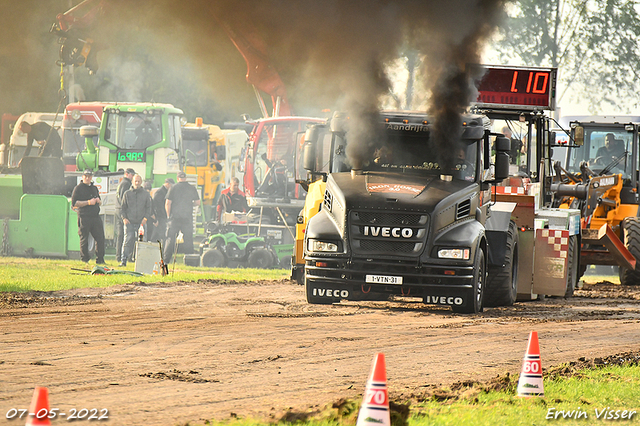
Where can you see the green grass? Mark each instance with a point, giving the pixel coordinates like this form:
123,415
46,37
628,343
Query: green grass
614,388
26,274
610,388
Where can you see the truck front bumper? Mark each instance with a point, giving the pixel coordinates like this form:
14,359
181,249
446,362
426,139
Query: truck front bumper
341,279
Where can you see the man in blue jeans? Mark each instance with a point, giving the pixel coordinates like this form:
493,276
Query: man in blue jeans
136,210
123,187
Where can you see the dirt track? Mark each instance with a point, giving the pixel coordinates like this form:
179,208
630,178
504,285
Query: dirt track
169,354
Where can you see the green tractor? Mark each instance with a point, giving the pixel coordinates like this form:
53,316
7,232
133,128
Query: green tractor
145,137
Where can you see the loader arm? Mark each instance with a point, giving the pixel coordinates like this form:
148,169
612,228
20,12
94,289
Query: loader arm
260,74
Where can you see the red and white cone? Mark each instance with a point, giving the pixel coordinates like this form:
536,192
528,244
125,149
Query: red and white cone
375,404
530,382
39,408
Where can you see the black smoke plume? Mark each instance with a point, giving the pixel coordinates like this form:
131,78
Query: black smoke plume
331,54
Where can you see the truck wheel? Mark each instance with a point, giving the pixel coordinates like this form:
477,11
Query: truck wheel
474,299
260,258
631,234
502,282
213,258
573,259
285,262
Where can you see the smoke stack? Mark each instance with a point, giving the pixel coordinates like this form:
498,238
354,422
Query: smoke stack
355,172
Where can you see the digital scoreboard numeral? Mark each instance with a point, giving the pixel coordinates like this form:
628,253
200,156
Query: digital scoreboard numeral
540,80
134,156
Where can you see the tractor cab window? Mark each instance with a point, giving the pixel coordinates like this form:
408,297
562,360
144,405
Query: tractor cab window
603,149
128,130
195,143
275,152
175,131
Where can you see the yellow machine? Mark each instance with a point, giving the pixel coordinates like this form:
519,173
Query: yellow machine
600,177
213,154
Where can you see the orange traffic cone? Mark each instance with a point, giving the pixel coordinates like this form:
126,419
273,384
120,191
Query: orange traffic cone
530,382
39,409
375,404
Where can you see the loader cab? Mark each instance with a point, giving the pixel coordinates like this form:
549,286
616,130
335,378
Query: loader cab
270,157
605,148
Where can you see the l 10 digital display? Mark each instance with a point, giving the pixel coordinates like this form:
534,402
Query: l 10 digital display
517,87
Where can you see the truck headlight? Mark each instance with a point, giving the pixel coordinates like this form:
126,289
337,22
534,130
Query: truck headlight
322,246
454,253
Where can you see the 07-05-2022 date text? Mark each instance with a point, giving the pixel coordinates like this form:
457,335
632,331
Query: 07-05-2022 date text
72,414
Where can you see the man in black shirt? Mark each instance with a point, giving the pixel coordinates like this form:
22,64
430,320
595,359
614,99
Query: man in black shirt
45,135
516,146
124,186
160,230
179,207
85,199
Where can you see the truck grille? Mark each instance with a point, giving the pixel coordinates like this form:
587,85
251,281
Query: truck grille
385,233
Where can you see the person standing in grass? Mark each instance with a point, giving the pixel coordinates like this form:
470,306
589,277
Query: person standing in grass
136,211
181,199
85,199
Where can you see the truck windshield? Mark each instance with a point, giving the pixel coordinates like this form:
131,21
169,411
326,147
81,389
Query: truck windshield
195,143
603,148
133,130
409,153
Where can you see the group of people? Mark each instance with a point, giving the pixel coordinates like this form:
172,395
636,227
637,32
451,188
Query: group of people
170,211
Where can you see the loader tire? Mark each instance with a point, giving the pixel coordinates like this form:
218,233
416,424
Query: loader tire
213,258
573,259
631,239
502,282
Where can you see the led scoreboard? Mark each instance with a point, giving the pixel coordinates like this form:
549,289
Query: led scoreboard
516,87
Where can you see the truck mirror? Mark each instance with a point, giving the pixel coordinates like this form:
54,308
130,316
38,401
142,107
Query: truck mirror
339,122
502,165
503,144
309,157
578,135
311,135
89,131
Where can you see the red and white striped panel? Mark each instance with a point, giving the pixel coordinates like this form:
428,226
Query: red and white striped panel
510,190
558,240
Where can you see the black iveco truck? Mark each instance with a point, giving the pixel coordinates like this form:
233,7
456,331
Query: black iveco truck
404,215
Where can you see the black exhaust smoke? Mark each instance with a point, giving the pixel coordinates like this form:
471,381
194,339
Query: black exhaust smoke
330,53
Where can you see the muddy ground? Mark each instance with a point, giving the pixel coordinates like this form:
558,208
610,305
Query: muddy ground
168,354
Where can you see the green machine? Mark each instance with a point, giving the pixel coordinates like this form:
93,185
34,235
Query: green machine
37,217
145,137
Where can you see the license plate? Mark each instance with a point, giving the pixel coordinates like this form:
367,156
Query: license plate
382,279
